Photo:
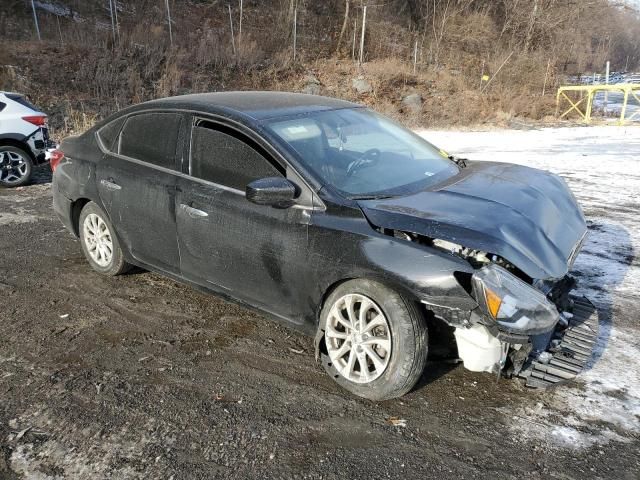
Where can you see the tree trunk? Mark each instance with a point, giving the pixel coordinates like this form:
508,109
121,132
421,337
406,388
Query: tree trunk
532,22
344,25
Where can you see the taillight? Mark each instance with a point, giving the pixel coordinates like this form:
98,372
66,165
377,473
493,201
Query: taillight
54,158
37,120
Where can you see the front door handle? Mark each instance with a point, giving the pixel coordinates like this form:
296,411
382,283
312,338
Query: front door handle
110,185
193,212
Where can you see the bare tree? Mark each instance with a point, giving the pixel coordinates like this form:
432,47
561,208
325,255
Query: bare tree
532,23
344,25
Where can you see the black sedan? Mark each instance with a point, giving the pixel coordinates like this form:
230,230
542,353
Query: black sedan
347,226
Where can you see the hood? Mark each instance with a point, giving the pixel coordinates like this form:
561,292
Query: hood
528,217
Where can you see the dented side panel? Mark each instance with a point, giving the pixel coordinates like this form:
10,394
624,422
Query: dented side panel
342,245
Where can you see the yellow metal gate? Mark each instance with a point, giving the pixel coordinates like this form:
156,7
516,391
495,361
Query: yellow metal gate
580,99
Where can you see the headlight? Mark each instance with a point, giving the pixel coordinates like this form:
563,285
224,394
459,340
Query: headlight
514,305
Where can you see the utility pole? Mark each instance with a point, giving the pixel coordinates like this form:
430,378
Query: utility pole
169,21
606,81
115,14
59,29
113,23
295,32
546,75
364,22
353,45
240,27
233,41
35,19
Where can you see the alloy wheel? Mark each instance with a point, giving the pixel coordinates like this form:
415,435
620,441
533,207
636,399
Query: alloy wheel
358,338
98,240
13,167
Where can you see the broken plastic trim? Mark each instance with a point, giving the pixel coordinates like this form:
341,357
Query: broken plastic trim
569,350
453,317
476,258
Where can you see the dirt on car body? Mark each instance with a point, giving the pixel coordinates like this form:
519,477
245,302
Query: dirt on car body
141,377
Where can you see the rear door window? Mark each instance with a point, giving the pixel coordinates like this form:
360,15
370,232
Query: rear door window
152,138
222,156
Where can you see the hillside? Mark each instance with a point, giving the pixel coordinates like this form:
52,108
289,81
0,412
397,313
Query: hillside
423,61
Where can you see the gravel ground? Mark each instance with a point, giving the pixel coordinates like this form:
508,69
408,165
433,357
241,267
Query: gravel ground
141,377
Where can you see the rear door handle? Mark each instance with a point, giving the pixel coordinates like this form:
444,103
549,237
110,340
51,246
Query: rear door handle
193,212
110,185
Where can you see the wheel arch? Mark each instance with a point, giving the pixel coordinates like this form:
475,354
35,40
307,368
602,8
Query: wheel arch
14,142
76,207
396,286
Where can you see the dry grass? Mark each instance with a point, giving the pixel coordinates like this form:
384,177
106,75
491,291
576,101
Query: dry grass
95,75
75,122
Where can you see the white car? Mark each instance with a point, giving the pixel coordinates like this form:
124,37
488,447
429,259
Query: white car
24,139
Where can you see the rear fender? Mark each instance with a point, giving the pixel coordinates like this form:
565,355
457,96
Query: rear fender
18,141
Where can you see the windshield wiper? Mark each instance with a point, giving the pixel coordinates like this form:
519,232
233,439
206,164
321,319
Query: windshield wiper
461,162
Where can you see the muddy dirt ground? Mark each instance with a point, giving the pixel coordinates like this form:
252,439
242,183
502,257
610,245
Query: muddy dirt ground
140,377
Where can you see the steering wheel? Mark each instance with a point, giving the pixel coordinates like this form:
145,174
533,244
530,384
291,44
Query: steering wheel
368,158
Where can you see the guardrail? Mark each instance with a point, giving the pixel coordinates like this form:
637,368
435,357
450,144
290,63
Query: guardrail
601,78
586,96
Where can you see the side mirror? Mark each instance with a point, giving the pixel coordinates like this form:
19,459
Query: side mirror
272,191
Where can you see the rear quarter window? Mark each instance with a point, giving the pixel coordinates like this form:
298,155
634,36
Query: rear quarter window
109,133
2,105
21,100
152,138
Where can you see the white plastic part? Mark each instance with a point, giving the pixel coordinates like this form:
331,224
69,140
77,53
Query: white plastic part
479,350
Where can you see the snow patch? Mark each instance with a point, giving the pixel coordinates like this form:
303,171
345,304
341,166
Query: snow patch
602,167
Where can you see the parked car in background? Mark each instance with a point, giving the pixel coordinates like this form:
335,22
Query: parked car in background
24,138
336,220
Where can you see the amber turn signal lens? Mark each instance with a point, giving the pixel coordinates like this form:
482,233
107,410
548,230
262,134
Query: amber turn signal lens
493,302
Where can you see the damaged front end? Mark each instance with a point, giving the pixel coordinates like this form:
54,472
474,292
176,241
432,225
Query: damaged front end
520,229
542,333
533,329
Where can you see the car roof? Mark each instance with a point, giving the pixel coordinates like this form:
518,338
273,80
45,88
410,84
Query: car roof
256,105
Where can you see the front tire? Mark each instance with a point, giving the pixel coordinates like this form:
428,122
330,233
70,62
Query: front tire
375,340
16,167
99,242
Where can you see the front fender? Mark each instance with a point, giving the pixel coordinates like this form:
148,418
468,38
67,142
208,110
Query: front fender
342,248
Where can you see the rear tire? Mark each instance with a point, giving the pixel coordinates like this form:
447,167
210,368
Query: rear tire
399,340
100,243
16,166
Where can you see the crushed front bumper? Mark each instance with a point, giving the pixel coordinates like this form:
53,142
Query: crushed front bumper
569,348
39,142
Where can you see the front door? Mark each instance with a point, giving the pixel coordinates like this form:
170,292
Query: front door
251,252
137,183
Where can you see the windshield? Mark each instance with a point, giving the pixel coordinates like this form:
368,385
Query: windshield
363,154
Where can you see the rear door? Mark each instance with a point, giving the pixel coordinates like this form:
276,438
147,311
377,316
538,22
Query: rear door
252,252
136,181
